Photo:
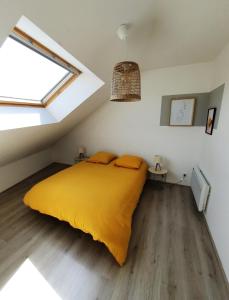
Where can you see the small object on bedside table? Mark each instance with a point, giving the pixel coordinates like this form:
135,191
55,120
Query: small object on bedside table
81,155
157,162
163,172
81,151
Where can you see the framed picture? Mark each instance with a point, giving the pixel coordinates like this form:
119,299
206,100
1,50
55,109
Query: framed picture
182,111
210,120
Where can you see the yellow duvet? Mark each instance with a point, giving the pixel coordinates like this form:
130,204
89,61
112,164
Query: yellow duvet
98,199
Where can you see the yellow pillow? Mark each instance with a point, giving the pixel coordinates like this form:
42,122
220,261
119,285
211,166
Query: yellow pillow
129,161
102,157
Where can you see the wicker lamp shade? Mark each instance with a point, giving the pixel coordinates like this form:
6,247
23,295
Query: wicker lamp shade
126,82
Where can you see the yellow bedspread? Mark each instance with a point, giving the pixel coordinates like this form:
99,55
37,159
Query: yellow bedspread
98,199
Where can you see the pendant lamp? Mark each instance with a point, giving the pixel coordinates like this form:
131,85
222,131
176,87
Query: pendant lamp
126,80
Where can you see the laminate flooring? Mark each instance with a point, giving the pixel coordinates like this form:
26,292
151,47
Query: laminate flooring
170,252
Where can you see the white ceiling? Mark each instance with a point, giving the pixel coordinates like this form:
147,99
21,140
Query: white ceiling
163,33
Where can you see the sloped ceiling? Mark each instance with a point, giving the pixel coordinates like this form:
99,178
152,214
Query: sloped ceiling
163,33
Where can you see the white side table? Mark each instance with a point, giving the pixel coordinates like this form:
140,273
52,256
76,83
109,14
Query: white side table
163,172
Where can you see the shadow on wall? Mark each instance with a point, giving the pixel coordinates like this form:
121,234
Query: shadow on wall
203,102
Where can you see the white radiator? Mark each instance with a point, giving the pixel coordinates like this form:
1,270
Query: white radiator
200,188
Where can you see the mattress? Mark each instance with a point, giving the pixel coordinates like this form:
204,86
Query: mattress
97,199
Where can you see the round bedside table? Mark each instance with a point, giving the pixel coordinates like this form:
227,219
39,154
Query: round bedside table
79,159
163,172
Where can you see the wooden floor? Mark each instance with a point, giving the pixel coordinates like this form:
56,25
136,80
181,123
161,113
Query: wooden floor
170,253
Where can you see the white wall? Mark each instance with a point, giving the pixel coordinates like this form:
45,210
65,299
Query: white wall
215,165
135,127
17,171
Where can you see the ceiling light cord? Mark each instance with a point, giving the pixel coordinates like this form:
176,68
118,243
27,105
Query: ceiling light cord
126,49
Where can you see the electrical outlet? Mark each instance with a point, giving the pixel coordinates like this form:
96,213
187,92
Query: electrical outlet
184,175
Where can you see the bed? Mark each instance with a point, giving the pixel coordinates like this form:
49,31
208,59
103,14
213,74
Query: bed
95,198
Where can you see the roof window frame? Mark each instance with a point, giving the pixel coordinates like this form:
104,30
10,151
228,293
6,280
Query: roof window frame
28,41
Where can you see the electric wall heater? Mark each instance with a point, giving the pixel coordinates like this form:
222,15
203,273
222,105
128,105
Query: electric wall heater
200,188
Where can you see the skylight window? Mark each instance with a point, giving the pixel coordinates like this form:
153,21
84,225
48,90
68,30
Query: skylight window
30,73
